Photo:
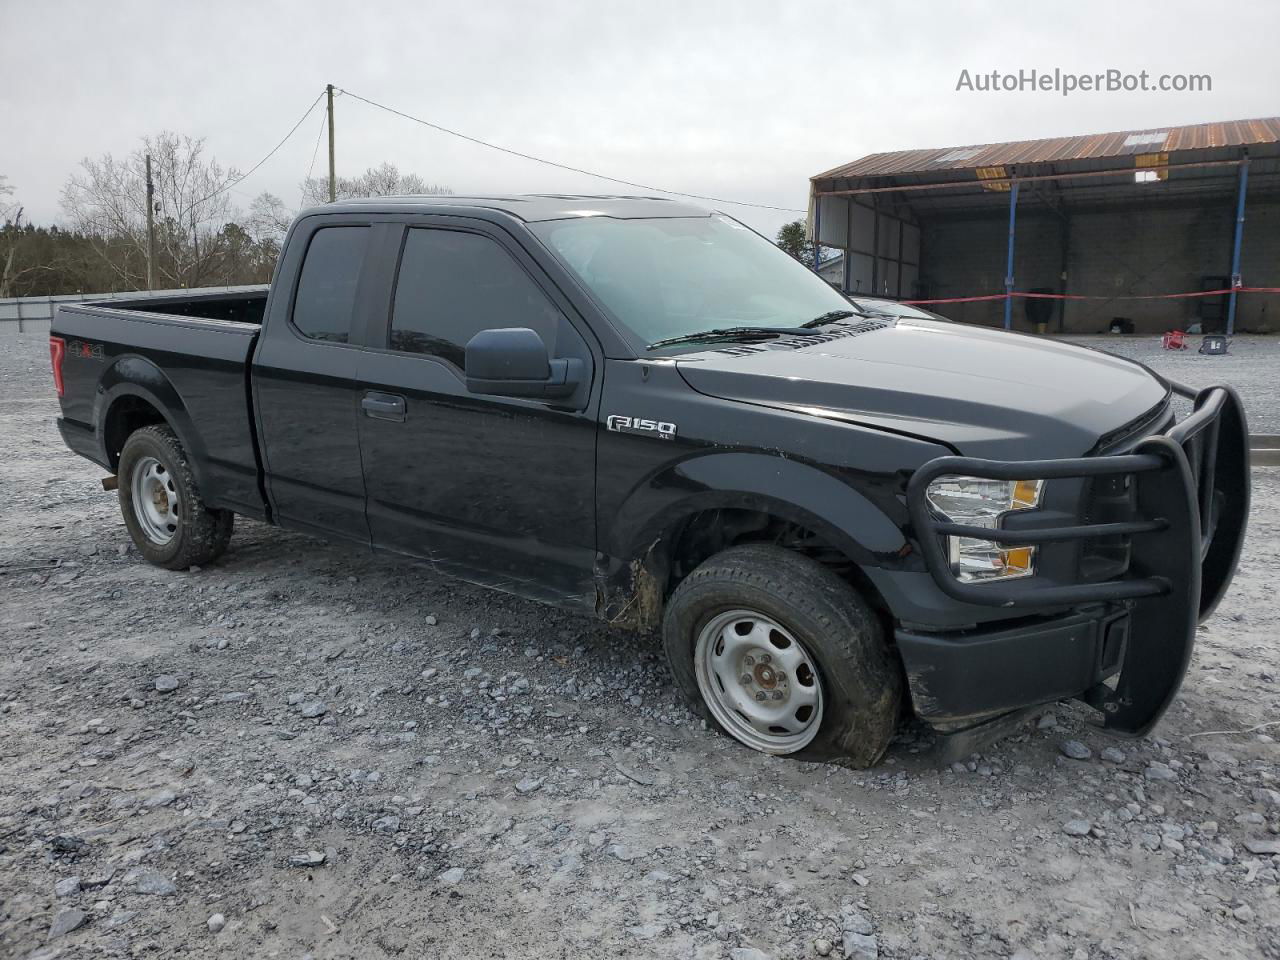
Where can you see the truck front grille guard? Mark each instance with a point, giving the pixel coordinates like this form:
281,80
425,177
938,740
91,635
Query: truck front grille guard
1191,501
1186,460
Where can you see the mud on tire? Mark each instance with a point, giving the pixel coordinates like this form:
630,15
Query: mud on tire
861,679
199,534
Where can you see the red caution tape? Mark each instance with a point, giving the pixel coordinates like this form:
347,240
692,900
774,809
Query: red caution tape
993,296
1083,296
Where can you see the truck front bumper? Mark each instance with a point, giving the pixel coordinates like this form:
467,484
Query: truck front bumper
1122,644
959,679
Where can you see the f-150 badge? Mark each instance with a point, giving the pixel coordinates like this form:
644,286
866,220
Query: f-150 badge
646,428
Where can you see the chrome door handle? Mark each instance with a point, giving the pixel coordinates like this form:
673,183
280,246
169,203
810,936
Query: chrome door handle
384,406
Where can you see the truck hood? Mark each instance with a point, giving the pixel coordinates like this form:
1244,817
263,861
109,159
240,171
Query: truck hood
986,393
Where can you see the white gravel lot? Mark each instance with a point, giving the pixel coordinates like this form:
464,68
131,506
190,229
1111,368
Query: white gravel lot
360,759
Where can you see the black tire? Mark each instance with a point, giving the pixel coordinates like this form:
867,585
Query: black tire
860,677
201,534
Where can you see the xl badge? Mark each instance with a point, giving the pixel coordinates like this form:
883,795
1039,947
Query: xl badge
646,428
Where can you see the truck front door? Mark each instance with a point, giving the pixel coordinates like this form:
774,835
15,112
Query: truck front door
496,490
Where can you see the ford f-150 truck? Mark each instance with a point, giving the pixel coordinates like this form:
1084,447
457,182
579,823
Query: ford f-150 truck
645,410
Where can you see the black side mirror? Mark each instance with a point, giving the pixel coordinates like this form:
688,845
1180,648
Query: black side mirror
514,362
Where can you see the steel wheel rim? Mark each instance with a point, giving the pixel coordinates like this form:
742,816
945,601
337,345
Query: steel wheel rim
155,501
758,681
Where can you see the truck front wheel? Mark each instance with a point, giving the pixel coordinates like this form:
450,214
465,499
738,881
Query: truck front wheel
169,523
783,655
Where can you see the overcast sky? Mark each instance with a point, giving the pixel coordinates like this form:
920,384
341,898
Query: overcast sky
736,99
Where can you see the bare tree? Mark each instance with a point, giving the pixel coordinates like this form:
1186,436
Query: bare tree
10,239
268,220
383,181
107,202
6,191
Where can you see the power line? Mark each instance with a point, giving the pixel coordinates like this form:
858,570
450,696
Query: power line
324,122
562,166
244,176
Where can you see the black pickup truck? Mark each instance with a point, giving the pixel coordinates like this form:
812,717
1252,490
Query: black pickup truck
644,410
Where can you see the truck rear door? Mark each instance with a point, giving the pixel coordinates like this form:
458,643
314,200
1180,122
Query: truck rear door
304,378
496,490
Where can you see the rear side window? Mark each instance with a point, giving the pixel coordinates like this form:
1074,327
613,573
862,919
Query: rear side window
326,299
452,285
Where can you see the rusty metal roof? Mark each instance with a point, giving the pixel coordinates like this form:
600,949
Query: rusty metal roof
1200,136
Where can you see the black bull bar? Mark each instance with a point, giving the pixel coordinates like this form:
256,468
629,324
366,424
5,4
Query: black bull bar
1191,496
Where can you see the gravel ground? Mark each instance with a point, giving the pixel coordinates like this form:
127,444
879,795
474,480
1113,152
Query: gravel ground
305,751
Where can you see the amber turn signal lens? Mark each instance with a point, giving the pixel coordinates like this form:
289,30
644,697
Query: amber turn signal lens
1019,561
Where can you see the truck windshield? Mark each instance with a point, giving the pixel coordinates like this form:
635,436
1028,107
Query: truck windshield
668,277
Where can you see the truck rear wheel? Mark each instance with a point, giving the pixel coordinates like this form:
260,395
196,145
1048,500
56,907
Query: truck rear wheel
169,523
783,655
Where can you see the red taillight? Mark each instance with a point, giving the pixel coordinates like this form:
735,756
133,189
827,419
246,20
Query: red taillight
57,350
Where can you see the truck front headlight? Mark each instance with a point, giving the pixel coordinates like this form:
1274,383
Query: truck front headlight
976,502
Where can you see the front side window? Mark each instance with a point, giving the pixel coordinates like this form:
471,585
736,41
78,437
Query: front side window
326,300
452,285
666,277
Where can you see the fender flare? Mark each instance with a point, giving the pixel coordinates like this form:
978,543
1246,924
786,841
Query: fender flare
756,481
135,376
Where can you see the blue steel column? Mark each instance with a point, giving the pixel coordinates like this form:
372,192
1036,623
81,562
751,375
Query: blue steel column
1235,246
1008,269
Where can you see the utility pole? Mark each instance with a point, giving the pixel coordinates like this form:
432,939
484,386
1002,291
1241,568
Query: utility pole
151,228
333,183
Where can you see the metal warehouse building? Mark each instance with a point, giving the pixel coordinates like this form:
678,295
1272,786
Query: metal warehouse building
1119,220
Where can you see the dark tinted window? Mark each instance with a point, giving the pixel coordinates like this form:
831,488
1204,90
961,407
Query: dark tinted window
452,285
327,288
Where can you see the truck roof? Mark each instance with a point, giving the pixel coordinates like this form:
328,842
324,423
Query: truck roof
532,207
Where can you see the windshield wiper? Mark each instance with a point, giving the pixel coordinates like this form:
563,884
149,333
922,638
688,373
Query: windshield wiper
829,317
728,333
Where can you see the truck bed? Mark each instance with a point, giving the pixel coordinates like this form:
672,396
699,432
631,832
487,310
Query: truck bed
186,355
239,307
